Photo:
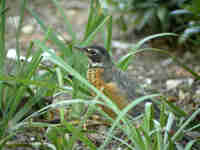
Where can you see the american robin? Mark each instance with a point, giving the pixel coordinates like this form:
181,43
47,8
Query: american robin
104,75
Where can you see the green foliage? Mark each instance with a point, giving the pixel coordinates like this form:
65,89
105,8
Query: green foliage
2,38
189,21
22,89
57,135
179,16
25,82
145,13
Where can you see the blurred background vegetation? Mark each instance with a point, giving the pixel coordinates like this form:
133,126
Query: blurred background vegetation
157,16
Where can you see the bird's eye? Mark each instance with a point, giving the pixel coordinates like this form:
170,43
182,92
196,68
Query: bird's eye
93,52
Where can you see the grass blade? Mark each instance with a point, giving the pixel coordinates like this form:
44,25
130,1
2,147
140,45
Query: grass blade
68,25
18,32
185,124
2,49
91,36
120,117
108,39
125,61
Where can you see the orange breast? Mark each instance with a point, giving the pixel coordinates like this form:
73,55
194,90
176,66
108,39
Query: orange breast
94,76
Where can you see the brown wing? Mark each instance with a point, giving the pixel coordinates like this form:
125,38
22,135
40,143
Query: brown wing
128,85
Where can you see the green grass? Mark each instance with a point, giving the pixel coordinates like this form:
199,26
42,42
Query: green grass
26,83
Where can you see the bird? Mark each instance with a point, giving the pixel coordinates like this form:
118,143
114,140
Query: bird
114,83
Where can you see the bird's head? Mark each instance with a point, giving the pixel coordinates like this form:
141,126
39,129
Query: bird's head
98,56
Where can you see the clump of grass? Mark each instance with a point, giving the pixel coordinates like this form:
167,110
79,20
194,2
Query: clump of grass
152,133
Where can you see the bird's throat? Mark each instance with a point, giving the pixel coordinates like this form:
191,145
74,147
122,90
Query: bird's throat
95,65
